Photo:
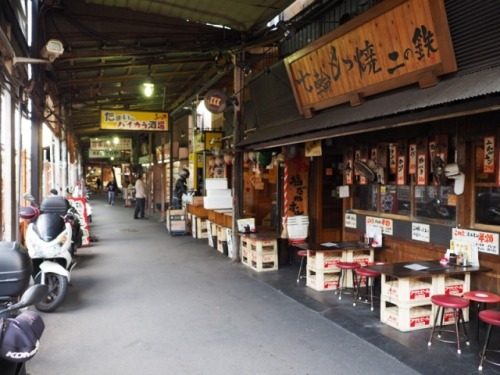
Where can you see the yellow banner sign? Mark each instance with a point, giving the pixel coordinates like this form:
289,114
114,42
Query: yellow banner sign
396,43
130,120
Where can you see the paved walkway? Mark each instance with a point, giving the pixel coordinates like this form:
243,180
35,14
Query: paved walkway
144,302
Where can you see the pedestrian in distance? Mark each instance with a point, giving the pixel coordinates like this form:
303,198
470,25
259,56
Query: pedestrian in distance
98,185
180,189
140,198
111,188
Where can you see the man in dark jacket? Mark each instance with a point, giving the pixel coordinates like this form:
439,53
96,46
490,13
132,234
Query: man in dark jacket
180,189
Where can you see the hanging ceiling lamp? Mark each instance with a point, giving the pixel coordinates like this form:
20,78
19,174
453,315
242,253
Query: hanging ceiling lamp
148,85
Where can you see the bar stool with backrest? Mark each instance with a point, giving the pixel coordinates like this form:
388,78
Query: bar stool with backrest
492,318
344,268
457,304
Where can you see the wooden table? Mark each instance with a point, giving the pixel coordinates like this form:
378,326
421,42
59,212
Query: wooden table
322,272
405,301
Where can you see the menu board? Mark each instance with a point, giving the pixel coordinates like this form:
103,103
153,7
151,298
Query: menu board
484,242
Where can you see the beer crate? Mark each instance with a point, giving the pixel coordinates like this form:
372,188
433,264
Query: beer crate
324,260
406,318
198,227
404,290
262,262
321,280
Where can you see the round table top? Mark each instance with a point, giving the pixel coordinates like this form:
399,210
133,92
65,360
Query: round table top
482,296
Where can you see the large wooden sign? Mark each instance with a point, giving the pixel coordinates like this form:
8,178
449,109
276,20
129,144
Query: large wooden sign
396,43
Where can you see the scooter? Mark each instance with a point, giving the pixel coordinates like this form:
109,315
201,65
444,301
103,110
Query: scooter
51,244
19,331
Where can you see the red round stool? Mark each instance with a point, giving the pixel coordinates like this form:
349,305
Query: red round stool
482,298
344,267
491,317
369,276
303,255
457,304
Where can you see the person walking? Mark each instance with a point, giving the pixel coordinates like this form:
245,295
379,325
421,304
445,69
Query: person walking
98,185
111,187
140,198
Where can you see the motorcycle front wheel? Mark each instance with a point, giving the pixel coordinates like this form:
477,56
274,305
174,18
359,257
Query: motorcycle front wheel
58,288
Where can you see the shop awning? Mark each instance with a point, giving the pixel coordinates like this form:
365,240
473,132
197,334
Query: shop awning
452,97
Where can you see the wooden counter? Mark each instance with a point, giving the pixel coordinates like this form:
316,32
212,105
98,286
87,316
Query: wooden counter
198,211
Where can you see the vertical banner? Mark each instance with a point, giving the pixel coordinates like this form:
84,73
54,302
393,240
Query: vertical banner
489,155
432,149
363,158
412,156
382,154
374,155
296,191
402,155
357,157
80,206
349,166
393,158
498,171
442,147
422,161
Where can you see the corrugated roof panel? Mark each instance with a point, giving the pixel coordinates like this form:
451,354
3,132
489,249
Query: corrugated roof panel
459,88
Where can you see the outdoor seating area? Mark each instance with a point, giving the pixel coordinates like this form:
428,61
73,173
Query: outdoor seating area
410,347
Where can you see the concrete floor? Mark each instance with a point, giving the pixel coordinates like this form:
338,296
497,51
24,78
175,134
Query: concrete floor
144,302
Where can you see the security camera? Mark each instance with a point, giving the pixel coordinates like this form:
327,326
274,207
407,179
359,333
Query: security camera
52,50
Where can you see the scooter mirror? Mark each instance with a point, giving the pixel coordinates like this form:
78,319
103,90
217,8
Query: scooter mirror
29,197
33,295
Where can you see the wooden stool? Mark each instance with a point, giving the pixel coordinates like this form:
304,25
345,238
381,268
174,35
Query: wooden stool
491,317
344,267
443,301
303,255
369,276
482,298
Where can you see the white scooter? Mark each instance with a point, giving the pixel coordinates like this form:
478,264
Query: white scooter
50,246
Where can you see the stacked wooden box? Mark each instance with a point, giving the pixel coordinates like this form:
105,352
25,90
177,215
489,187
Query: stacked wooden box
260,253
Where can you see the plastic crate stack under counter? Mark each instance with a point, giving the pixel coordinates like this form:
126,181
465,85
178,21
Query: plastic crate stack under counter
405,303
259,252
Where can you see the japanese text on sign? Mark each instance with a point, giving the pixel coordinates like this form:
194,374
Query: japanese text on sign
365,56
298,192
129,120
484,242
385,224
420,232
350,220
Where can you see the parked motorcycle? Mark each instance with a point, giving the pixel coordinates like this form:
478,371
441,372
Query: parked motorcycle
51,241
20,332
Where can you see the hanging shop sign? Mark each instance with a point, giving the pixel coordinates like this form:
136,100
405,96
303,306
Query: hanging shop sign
396,43
489,155
100,154
313,148
215,101
132,120
124,144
